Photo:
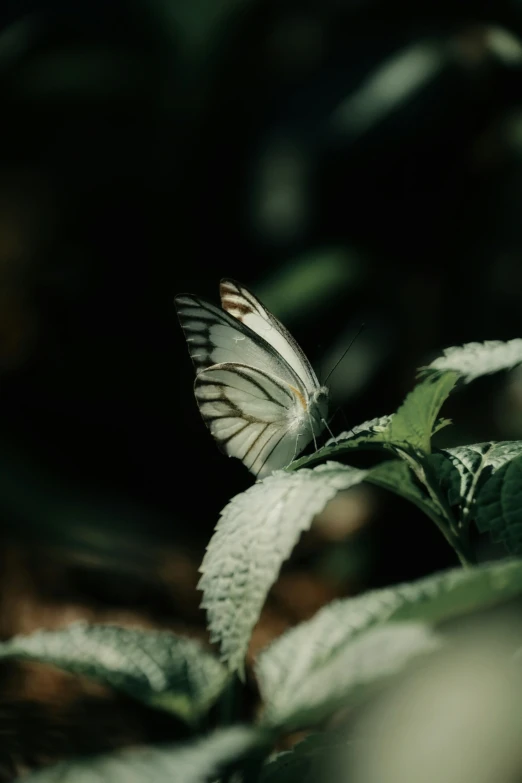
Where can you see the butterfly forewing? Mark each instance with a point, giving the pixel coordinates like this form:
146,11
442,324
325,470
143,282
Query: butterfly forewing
253,415
214,337
248,310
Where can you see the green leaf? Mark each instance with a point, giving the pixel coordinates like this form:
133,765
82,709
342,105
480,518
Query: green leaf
194,762
463,470
310,668
456,718
305,763
164,670
355,669
440,424
370,434
415,420
371,430
446,475
256,533
472,360
499,506
397,477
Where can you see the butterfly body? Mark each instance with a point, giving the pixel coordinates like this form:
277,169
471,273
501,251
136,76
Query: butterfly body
255,388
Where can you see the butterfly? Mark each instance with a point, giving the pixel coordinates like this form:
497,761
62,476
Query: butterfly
254,386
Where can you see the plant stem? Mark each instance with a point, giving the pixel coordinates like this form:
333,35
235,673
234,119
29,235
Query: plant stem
254,765
442,514
229,702
451,538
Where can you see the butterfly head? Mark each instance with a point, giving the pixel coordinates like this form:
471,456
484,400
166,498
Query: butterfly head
319,403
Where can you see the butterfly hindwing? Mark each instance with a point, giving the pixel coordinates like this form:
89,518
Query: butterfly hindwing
248,310
253,415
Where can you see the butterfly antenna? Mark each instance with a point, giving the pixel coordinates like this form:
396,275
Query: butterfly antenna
332,417
338,362
339,409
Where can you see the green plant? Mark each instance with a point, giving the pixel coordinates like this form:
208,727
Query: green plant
350,647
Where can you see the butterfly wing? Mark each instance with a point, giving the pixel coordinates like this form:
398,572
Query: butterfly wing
215,337
248,310
254,386
253,415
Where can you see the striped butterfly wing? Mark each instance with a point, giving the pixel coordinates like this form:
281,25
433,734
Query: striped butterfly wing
253,383
253,415
248,310
215,337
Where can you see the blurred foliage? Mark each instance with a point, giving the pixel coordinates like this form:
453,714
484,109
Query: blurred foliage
351,162
355,161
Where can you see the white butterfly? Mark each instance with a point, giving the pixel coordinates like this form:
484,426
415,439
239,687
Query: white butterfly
255,388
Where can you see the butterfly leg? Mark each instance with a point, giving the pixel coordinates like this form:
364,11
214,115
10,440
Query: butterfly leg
345,417
296,452
329,430
312,429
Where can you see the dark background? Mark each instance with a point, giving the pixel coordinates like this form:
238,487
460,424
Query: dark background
348,161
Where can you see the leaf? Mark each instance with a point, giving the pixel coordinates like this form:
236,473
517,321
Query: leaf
472,360
446,474
415,420
441,424
164,670
350,673
370,434
463,470
413,425
397,477
370,430
457,719
305,762
256,533
306,671
499,506
194,762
